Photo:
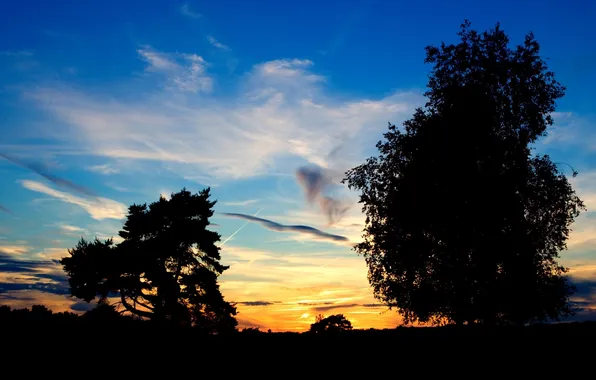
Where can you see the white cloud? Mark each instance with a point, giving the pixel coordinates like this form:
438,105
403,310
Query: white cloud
280,117
69,228
185,72
217,44
98,208
157,61
289,68
185,10
103,169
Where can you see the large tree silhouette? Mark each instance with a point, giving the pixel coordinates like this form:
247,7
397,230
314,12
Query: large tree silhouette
166,267
464,223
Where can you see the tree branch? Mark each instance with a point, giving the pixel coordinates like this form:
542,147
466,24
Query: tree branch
132,309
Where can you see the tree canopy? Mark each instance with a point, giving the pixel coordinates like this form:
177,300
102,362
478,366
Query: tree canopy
165,268
464,224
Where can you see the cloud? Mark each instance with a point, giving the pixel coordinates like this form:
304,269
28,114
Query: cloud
217,44
98,208
157,61
302,281
52,253
183,72
185,10
42,275
39,169
327,308
241,203
279,117
286,228
319,307
585,288
316,182
288,69
256,303
47,288
582,238
249,323
570,130
69,228
103,169
14,249
584,300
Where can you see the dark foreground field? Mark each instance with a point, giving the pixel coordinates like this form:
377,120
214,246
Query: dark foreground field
109,340
115,348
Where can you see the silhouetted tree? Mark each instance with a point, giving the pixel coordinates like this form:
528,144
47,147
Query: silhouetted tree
333,323
40,313
166,267
6,314
463,223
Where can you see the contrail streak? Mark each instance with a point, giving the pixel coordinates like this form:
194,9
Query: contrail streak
40,170
238,230
6,210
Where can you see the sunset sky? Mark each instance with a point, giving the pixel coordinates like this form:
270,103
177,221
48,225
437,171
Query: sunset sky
133,99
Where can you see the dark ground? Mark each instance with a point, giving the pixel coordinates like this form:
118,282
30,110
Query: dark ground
127,349
106,342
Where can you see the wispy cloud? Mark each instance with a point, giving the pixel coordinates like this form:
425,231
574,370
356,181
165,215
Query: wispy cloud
289,68
69,228
185,10
217,44
103,169
280,118
317,183
98,208
157,61
184,72
256,303
274,226
241,203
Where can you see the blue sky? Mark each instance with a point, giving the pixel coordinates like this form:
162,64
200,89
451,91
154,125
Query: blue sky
135,99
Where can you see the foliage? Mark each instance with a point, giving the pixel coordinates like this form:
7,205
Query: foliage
463,223
165,269
331,324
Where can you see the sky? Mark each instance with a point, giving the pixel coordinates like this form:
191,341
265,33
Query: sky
106,104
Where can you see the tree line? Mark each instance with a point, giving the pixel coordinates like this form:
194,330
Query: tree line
464,223
106,314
